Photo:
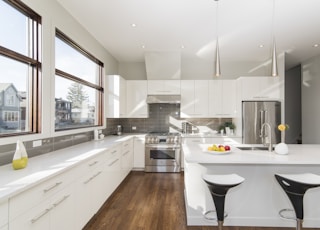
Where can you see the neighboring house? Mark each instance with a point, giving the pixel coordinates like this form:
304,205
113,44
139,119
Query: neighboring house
63,112
10,108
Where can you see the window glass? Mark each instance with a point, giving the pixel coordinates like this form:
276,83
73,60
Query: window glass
19,69
78,86
15,26
71,61
75,104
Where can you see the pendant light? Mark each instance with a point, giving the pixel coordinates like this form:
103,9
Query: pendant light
217,60
274,64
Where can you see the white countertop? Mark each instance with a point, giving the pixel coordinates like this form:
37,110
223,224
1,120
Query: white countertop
48,165
298,154
208,135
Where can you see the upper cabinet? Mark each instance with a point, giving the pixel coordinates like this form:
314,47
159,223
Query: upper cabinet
164,87
222,98
116,96
137,91
261,88
194,98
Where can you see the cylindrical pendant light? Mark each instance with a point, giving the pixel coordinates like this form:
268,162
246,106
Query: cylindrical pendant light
274,64
217,61
217,57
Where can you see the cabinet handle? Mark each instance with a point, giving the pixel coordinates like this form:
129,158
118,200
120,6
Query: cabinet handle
61,200
114,151
91,178
125,153
93,163
52,187
261,97
113,162
35,219
196,140
125,145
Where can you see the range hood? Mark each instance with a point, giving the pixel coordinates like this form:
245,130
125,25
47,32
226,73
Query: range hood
165,99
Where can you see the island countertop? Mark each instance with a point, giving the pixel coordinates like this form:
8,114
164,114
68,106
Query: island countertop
300,154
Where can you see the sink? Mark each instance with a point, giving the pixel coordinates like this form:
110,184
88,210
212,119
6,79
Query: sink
254,148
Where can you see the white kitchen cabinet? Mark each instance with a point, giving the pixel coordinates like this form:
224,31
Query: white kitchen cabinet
136,99
113,168
164,87
126,157
57,212
116,96
261,88
194,98
69,199
90,183
4,214
139,152
23,202
222,98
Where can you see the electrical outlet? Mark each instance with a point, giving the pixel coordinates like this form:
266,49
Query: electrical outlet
134,128
36,143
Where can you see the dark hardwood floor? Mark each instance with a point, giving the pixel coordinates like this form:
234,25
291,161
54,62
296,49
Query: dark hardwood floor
150,201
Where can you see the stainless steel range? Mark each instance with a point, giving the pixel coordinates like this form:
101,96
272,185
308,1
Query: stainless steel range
163,152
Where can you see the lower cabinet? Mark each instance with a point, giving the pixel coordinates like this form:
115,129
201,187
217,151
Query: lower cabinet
126,157
88,195
139,152
4,215
71,199
54,213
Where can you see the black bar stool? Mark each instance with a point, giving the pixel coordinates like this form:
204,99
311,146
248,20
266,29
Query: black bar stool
219,186
295,186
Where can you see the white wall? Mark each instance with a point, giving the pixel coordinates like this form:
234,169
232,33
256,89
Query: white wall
53,15
202,69
310,92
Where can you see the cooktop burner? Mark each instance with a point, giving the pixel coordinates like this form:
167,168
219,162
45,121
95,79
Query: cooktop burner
163,138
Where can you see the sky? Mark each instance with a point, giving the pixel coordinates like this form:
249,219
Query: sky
13,27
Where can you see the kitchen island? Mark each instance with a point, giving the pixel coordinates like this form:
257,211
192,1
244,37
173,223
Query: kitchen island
258,200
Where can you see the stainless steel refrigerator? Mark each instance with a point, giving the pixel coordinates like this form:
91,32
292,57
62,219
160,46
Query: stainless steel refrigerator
254,114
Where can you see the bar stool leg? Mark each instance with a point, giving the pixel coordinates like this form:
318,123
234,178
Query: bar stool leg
299,224
220,224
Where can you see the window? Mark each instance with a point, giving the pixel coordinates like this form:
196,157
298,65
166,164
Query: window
19,69
78,86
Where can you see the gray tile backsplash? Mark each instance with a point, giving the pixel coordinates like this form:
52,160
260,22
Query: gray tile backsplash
48,145
161,118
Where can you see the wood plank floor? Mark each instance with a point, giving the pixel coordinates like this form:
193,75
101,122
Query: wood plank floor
150,201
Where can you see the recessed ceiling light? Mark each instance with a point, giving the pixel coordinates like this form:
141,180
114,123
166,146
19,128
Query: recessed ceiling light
261,46
143,46
182,46
316,45
134,25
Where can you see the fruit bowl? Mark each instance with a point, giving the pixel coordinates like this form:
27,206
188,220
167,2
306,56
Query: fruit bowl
218,149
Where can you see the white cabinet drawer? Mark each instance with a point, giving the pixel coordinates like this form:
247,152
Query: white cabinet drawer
3,213
114,151
54,213
35,195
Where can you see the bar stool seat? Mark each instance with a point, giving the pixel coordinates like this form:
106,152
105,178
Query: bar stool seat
219,186
295,186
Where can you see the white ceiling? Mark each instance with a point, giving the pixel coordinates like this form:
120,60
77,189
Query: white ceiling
166,25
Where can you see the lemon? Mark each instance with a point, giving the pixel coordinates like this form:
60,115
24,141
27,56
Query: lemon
282,127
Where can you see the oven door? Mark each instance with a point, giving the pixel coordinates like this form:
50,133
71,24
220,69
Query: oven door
162,158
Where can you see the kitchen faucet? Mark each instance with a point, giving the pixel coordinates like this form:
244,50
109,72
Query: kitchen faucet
269,136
